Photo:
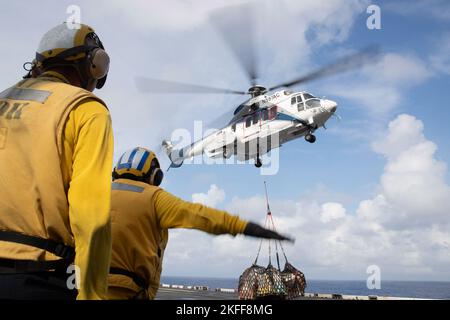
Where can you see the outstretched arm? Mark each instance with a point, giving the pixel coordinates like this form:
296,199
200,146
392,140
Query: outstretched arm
173,212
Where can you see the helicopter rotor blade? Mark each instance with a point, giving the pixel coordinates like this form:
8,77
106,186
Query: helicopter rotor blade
164,86
235,24
220,121
346,63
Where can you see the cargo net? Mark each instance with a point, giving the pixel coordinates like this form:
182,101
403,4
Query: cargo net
259,282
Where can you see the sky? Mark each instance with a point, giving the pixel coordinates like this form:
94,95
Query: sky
373,190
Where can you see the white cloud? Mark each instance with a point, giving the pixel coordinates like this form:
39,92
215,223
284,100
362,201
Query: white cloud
413,181
404,133
379,88
173,15
396,68
331,211
404,228
295,30
212,198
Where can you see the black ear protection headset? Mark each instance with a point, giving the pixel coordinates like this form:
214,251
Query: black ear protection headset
155,173
96,66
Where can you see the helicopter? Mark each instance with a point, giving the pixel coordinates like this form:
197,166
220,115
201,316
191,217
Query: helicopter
271,116
285,114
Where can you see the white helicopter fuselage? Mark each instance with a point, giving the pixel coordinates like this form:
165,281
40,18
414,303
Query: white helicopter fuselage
272,120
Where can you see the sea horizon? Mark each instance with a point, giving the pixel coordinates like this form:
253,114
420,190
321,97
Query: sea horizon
313,279
426,289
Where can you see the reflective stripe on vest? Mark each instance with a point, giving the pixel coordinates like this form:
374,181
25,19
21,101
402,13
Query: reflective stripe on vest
15,93
126,187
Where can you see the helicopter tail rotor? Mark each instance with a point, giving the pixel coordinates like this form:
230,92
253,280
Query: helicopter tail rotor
173,154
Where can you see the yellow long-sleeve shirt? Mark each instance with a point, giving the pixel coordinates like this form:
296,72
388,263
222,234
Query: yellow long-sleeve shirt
88,148
86,167
173,212
141,217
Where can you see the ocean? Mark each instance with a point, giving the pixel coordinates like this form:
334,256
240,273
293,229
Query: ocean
411,289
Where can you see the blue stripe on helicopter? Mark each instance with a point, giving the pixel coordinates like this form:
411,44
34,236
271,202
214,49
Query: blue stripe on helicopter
286,117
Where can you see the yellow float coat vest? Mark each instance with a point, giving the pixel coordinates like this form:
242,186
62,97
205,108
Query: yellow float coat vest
33,194
138,240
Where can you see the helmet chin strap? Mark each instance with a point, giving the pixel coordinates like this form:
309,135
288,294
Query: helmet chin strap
80,68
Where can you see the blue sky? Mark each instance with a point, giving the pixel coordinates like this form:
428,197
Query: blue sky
358,196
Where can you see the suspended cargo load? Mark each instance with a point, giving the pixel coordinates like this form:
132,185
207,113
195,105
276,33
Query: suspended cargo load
258,282
294,281
248,282
261,283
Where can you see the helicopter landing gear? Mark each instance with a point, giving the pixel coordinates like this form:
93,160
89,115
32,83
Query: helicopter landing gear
310,138
258,163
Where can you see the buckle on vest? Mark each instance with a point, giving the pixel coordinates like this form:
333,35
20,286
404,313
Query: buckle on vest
64,251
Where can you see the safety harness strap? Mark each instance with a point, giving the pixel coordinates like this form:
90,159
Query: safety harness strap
27,266
136,278
58,249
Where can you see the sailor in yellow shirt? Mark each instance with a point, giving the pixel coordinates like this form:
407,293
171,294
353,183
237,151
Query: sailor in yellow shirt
56,150
142,213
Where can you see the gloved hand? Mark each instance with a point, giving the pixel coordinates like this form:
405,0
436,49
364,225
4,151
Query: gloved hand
255,230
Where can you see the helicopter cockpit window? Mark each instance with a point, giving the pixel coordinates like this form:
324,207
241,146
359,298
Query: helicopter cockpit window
248,122
238,109
254,106
300,105
293,99
308,96
312,103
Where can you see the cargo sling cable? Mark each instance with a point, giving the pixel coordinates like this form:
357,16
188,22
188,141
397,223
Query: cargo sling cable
258,282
